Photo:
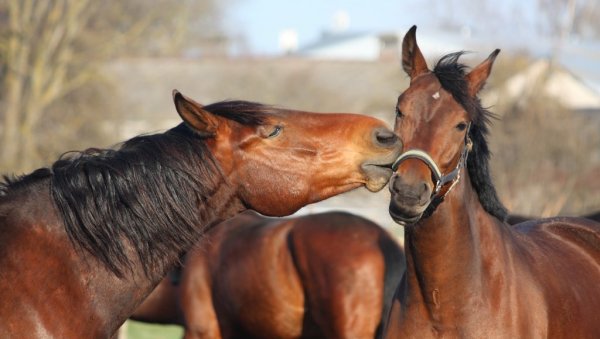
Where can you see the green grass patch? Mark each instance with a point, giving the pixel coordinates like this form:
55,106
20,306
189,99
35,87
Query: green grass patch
140,330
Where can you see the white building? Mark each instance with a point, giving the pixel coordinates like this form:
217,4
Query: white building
352,46
576,82
556,82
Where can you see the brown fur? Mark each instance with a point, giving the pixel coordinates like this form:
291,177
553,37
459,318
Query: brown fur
317,276
469,274
83,244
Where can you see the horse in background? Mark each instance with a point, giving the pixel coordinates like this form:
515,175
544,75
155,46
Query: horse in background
328,275
83,242
469,273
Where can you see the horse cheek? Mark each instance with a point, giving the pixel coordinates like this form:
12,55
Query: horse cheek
275,194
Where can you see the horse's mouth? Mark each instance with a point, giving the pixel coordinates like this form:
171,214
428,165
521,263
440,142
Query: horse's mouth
377,175
378,171
403,217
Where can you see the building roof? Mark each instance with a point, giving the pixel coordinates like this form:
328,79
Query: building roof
329,39
580,60
554,81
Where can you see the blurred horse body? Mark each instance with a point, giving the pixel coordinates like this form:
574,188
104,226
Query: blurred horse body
328,275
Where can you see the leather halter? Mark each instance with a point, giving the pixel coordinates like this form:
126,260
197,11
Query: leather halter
440,179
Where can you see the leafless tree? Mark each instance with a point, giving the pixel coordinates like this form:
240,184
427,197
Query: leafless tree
562,18
49,48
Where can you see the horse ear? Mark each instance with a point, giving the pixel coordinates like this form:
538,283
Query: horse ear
413,62
477,77
200,120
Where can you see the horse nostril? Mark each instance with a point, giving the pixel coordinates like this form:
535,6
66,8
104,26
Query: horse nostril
394,185
425,193
385,137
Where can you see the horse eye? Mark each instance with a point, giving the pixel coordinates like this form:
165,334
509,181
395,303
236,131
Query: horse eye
461,126
399,113
275,132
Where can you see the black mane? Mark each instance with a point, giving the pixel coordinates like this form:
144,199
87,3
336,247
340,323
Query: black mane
451,75
244,112
148,196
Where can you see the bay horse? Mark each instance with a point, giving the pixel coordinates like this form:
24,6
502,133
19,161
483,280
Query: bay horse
517,218
327,275
468,273
83,242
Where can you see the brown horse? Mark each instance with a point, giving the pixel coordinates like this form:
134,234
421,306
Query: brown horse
516,218
328,275
83,242
469,274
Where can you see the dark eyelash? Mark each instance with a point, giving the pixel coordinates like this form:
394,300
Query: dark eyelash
275,131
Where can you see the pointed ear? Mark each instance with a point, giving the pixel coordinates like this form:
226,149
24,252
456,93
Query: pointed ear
413,62
200,120
477,77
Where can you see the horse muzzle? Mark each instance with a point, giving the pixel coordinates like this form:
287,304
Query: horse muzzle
408,200
378,171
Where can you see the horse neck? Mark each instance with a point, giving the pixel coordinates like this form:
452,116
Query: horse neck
447,253
118,298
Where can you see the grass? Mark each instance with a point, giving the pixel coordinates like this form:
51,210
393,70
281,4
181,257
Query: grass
139,330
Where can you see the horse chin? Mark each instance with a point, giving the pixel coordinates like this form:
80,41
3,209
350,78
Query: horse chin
276,212
402,216
281,207
377,176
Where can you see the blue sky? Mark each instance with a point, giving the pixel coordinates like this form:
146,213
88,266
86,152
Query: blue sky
260,21
508,24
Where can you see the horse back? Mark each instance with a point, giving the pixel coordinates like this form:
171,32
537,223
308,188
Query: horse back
564,257
574,236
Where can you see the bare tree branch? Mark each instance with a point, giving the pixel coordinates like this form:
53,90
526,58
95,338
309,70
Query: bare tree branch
50,48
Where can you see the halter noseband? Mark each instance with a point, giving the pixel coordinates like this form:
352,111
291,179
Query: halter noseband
440,179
